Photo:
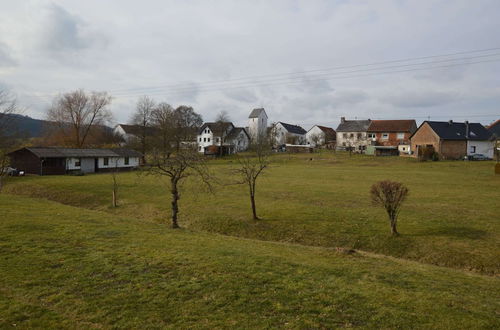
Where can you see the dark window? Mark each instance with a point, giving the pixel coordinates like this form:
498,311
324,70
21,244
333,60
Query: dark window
208,139
78,162
344,136
351,135
106,161
473,149
126,161
359,135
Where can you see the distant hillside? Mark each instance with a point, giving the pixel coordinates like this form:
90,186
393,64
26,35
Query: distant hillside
26,126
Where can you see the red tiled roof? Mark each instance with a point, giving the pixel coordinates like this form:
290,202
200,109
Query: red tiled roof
392,126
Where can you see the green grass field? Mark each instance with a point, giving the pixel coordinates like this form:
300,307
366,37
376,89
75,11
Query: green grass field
70,267
451,217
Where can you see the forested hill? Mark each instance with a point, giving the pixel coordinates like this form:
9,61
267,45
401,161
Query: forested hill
26,126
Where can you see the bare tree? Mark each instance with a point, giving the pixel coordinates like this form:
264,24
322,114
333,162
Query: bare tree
250,167
221,122
163,121
74,114
142,117
316,140
186,125
390,195
177,168
8,108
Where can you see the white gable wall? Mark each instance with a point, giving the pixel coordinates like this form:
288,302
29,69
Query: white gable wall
315,131
480,147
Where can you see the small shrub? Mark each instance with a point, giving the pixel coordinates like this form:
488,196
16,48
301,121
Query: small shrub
390,195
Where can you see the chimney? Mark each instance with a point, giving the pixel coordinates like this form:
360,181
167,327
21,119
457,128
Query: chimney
450,122
466,129
342,120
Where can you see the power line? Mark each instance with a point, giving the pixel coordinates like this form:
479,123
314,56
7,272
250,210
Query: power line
310,71
217,88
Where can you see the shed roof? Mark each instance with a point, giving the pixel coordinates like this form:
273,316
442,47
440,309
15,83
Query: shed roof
56,152
354,126
449,130
296,129
256,113
393,126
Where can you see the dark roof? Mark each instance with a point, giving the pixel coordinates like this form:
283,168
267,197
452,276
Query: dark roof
449,130
495,128
123,152
392,126
56,152
326,130
293,128
353,126
137,129
235,132
329,132
256,113
215,126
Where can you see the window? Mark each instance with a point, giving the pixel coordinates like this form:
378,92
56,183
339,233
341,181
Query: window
217,140
401,136
127,160
359,135
208,140
199,139
385,136
344,136
204,139
351,135
199,148
472,149
371,135
78,162
106,161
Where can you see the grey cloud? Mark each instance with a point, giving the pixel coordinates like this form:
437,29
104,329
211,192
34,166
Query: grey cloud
6,59
61,31
420,99
242,95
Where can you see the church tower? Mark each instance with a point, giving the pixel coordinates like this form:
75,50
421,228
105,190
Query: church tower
257,124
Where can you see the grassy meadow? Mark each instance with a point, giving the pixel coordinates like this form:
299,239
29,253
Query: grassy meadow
451,217
71,267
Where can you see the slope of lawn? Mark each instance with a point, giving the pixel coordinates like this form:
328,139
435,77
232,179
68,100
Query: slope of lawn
451,217
68,267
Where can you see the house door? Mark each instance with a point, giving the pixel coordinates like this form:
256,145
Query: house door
96,164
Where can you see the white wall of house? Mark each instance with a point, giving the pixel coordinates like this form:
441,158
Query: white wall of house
480,147
311,136
358,140
281,134
118,130
205,139
257,126
241,142
112,162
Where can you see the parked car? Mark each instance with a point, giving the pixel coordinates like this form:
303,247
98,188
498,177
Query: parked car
13,172
478,157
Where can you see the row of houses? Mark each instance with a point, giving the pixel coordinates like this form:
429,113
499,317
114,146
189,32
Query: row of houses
451,140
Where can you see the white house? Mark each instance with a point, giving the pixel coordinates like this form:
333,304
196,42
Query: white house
320,135
353,134
257,124
236,139
131,133
288,134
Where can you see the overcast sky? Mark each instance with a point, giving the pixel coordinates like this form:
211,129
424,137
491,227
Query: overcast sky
133,48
